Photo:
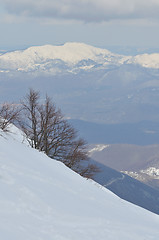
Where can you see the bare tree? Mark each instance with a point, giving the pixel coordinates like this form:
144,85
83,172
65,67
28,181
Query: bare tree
47,130
30,122
9,113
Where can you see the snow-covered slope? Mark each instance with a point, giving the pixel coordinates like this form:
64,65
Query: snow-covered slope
42,199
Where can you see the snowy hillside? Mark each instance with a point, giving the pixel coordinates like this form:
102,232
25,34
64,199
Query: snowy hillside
70,57
42,199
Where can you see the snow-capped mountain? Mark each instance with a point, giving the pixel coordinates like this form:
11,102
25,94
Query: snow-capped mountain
146,60
70,57
42,199
48,58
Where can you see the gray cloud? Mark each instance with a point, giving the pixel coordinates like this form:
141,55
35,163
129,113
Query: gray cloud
84,10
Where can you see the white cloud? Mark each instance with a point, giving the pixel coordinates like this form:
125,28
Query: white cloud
83,10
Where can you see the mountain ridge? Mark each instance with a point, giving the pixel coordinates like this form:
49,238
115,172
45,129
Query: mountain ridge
70,54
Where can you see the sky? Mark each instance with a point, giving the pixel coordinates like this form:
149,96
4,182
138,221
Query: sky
102,23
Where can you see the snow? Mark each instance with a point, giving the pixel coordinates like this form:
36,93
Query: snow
151,171
41,199
44,58
98,148
69,53
146,60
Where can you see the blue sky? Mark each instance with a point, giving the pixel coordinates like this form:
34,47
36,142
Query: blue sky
100,23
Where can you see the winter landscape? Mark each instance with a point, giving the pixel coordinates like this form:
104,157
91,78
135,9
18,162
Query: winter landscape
79,120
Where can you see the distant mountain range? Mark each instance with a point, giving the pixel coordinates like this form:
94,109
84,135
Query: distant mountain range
71,57
87,83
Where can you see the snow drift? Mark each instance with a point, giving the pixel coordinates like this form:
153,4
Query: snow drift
42,199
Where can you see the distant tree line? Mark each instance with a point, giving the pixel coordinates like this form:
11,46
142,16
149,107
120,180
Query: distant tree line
46,129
